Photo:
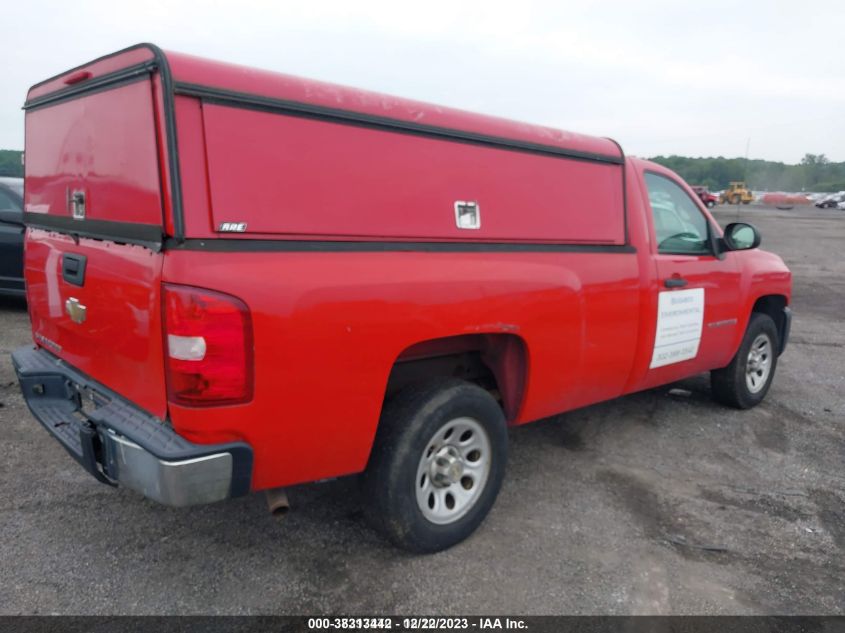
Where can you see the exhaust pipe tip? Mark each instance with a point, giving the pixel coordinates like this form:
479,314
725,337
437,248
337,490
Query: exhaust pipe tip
277,502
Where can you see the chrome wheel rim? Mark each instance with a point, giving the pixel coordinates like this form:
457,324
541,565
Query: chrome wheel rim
759,363
453,471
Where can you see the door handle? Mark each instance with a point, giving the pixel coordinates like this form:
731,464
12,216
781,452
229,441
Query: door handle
675,282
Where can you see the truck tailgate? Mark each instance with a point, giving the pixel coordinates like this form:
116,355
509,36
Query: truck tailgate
108,328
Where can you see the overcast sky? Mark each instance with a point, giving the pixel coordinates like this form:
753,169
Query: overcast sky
673,77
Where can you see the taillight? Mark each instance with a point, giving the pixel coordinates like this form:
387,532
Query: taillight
208,347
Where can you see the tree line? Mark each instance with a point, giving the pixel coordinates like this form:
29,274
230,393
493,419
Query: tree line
10,163
814,173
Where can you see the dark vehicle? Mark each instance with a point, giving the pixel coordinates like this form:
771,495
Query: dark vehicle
831,201
11,236
707,198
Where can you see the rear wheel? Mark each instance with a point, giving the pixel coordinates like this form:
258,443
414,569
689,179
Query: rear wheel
710,204
744,383
437,465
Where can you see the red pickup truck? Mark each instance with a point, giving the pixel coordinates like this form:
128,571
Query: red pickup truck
710,200
240,280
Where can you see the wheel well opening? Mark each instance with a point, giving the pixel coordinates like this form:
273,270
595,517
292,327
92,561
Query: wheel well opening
495,362
773,306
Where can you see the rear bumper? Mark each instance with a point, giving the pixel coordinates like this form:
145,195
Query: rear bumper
120,444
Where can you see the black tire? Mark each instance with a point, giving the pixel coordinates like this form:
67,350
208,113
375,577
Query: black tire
710,204
409,425
729,384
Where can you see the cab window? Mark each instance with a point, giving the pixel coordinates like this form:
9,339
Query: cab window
679,225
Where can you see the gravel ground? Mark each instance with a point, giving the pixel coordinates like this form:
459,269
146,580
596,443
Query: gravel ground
660,502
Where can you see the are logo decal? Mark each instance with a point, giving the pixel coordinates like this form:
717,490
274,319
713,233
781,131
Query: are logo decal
232,227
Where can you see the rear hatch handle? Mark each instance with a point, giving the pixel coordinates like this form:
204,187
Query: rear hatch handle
73,268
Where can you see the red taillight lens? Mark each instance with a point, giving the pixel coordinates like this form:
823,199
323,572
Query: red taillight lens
208,346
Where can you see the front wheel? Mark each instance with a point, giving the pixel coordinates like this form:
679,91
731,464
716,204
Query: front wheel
744,383
710,204
436,466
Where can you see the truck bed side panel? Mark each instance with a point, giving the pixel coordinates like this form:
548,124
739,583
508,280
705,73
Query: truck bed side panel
329,326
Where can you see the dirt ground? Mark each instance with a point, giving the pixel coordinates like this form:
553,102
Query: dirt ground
661,502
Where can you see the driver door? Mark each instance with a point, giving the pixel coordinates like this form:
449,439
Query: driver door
698,294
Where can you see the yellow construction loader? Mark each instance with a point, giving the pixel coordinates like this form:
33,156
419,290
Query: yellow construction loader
737,192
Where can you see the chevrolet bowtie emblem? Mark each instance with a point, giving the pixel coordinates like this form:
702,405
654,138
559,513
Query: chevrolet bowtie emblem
75,310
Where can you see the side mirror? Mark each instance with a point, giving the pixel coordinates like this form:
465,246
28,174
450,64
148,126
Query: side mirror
740,236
